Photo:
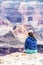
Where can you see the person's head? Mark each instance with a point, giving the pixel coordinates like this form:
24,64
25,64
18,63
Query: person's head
31,33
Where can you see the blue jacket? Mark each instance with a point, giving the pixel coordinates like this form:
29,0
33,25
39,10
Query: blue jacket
31,43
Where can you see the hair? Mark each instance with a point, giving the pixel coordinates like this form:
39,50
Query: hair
31,34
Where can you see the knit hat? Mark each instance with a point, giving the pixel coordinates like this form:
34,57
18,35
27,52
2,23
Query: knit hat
31,31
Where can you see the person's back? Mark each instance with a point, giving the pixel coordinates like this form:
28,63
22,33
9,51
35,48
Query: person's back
31,43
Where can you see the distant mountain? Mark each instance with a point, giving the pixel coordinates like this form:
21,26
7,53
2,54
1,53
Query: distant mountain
16,11
5,26
22,0
9,40
19,18
15,17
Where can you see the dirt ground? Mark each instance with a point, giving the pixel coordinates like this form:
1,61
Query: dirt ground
19,58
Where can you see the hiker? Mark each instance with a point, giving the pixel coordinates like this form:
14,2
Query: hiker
30,43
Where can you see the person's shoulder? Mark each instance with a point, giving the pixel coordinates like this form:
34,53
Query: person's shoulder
28,38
